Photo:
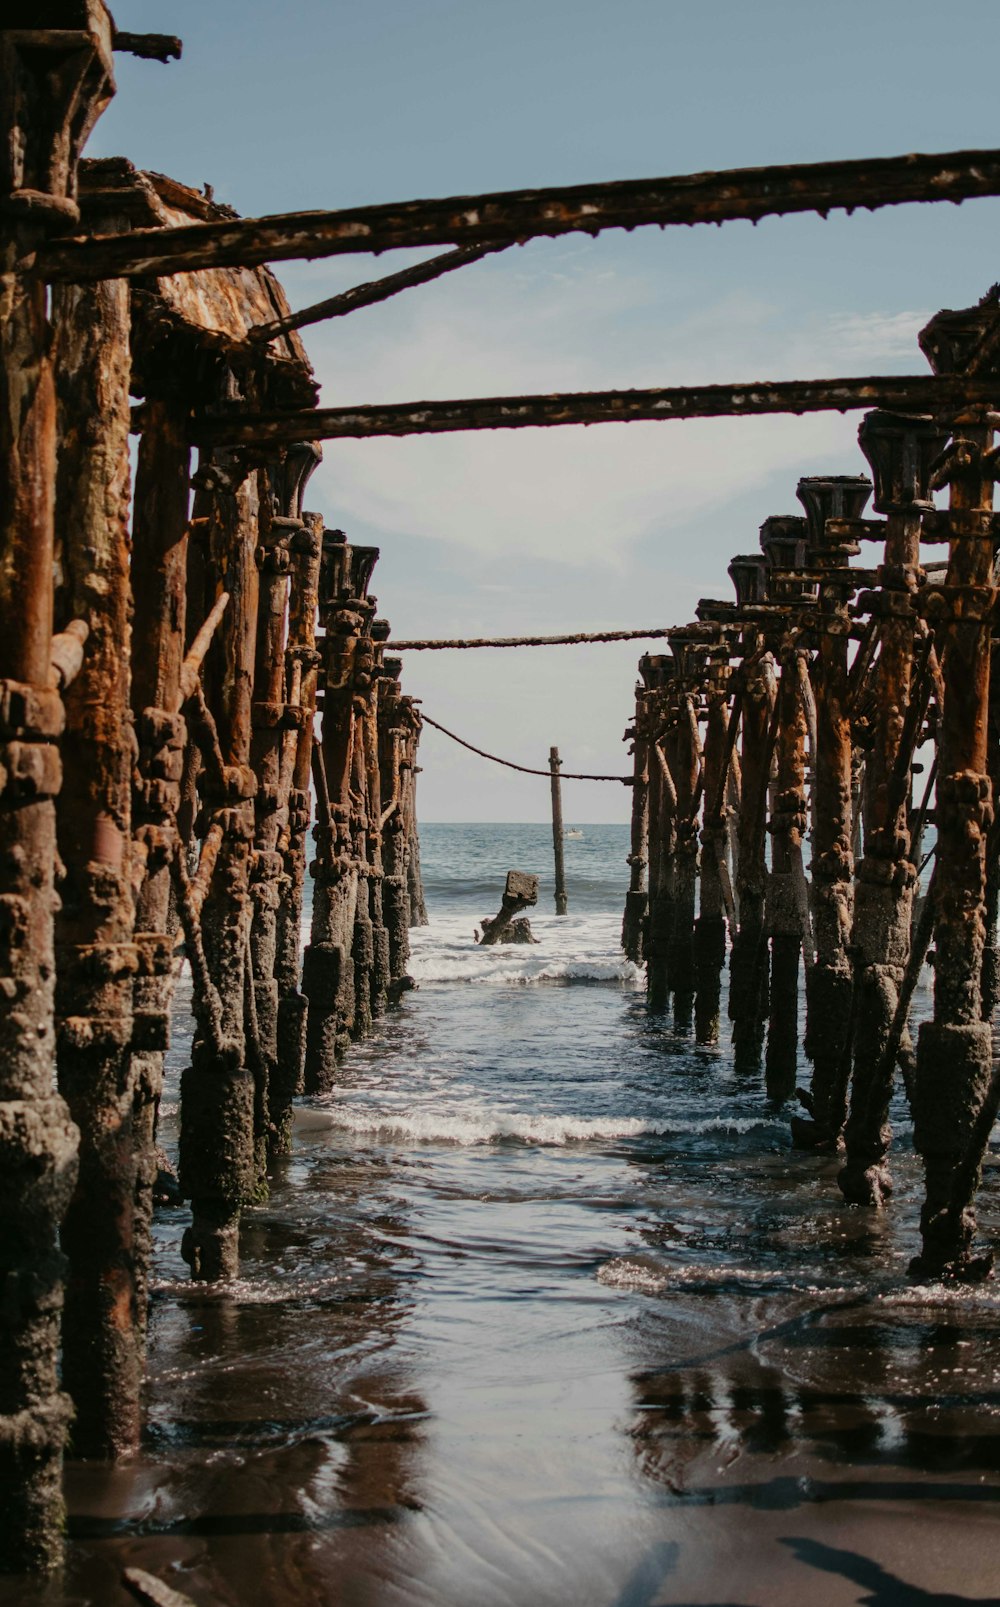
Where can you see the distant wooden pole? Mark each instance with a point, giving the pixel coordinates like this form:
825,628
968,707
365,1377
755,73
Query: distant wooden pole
557,831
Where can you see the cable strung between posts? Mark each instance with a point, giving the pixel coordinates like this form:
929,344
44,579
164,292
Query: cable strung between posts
626,781
436,643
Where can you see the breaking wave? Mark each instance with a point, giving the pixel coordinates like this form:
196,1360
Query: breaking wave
472,1127
642,1273
581,948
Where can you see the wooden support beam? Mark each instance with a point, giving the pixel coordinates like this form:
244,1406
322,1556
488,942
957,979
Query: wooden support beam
148,46
340,932
158,580
954,1050
218,1170
442,643
637,897
710,926
900,453
749,971
372,292
414,875
49,102
307,547
754,192
557,831
398,731
787,828
685,750
829,980
941,395
96,957
191,667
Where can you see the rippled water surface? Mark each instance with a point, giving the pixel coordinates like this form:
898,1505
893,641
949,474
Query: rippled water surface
543,1311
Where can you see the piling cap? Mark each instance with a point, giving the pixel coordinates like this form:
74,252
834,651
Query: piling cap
954,339
831,496
362,561
748,573
783,539
658,669
714,609
901,449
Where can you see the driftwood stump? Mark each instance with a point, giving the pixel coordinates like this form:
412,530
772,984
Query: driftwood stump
520,892
518,931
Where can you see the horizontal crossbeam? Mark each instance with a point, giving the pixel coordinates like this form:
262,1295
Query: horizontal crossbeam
751,192
440,643
943,395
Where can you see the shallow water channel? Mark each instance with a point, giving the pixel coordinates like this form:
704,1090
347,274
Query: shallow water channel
544,1311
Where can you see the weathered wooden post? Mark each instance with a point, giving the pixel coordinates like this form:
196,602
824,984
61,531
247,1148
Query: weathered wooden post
954,1051
748,992
327,977
55,79
637,898
365,935
329,970
416,905
687,646
404,724
783,538
96,957
269,715
900,452
158,575
828,985
657,670
557,831
275,718
991,952
380,972
710,927
303,662
218,1165
414,873
394,773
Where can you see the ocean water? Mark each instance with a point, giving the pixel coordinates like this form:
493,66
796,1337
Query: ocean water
544,1310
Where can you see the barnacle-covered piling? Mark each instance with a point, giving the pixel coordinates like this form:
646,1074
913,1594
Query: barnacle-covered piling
49,100
900,452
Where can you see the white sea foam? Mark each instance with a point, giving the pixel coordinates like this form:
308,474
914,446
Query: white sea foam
581,948
477,1125
965,1295
642,1273
266,1291
625,1273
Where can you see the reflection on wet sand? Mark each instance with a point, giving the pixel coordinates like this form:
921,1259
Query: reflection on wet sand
284,1431
882,1588
856,1416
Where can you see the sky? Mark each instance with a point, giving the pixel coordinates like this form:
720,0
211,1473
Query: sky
323,104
